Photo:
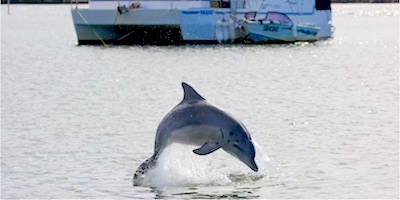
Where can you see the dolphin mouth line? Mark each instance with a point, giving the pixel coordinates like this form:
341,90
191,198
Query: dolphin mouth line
255,167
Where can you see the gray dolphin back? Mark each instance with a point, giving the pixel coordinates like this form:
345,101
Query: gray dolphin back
190,95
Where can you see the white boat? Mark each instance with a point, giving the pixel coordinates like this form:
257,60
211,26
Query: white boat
192,21
278,27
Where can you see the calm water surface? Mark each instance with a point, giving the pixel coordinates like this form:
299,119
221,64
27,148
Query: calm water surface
76,121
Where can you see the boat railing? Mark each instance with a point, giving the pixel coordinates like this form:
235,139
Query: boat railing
173,3
254,5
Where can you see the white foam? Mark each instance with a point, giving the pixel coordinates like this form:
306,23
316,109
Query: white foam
179,166
264,163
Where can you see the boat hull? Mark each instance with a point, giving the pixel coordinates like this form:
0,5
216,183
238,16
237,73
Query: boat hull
129,34
133,27
259,32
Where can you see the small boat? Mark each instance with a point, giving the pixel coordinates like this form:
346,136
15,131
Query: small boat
276,26
162,22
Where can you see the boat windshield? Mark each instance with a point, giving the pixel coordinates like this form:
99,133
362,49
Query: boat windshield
277,16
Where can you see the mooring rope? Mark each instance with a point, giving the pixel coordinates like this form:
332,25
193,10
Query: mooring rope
94,31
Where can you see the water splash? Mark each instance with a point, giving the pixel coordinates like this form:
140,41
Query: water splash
262,159
179,166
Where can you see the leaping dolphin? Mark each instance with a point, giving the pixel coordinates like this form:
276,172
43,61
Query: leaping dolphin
196,122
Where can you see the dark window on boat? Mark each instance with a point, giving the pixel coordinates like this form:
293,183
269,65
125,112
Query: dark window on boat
323,4
276,16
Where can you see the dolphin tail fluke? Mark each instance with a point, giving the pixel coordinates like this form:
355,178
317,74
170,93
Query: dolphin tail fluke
142,169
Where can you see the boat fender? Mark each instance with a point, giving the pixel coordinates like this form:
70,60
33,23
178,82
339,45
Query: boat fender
122,9
134,5
219,33
294,30
232,29
225,29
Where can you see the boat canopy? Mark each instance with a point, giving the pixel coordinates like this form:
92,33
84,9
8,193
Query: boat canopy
277,16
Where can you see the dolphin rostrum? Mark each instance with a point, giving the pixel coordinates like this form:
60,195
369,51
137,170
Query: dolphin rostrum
196,122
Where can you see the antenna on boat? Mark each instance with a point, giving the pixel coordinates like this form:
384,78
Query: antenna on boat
8,7
259,7
233,10
301,12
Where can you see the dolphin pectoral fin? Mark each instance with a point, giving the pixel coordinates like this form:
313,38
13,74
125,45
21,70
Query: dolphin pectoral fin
206,149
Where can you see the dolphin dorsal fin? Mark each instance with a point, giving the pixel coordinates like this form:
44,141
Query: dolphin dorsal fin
190,94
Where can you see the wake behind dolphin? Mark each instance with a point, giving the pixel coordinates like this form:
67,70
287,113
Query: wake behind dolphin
195,122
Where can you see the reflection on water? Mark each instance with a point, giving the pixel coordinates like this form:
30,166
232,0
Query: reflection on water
207,193
239,178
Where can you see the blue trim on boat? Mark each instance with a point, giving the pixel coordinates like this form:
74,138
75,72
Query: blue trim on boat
286,13
204,12
190,12
209,11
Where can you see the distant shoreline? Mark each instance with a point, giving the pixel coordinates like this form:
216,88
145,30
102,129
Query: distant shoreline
86,1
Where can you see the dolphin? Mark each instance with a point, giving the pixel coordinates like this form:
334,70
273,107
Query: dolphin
195,122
